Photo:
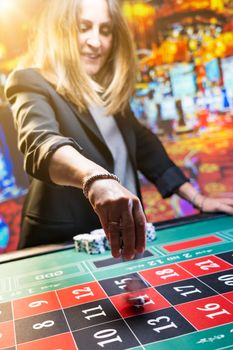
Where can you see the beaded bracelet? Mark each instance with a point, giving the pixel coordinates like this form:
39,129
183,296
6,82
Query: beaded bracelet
193,199
202,203
200,207
88,182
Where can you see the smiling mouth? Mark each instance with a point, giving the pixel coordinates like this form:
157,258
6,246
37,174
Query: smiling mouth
91,57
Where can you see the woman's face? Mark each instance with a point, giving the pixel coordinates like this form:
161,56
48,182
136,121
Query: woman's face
95,35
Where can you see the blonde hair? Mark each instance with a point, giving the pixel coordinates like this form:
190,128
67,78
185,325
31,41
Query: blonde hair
55,52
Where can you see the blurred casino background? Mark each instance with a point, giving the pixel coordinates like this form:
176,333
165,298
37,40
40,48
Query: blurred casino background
184,93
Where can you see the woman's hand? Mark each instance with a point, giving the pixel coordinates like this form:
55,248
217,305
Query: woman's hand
203,203
121,216
120,212
224,205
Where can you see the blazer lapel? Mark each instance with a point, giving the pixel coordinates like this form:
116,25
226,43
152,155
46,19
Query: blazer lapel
86,118
122,123
88,122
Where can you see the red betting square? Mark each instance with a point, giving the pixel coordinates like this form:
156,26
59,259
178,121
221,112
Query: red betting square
156,302
36,304
192,243
80,294
205,265
7,337
207,312
228,296
62,342
165,274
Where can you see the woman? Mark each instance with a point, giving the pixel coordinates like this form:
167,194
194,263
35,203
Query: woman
75,128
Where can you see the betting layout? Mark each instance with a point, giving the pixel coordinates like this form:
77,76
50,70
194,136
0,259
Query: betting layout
189,301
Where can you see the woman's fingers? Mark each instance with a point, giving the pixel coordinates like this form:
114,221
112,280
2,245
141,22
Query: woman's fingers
121,216
128,233
128,230
225,208
103,217
228,201
140,227
224,205
114,232
124,225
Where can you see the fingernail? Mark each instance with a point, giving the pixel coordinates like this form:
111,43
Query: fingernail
131,257
141,250
128,257
116,255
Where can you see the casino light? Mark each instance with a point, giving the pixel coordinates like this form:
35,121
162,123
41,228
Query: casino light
2,51
139,10
6,6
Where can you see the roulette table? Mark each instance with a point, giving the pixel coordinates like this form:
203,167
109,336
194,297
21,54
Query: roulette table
55,298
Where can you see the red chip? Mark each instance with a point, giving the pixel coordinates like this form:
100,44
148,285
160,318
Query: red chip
138,301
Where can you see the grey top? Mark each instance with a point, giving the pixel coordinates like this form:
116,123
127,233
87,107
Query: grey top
116,144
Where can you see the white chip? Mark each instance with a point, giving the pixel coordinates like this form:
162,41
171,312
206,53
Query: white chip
151,234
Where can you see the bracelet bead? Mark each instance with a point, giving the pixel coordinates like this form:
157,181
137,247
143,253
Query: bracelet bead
195,204
194,199
88,182
202,203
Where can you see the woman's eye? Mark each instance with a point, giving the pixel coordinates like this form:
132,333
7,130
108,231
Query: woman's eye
83,28
106,31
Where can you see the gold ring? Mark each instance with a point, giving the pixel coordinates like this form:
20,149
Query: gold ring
114,223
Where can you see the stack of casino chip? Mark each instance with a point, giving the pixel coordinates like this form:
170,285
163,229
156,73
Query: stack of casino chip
100,232
89,243
150,232
96,242
78,241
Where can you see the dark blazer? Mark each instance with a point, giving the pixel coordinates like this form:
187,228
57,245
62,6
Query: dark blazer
46,121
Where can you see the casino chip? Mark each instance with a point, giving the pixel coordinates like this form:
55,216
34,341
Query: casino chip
89,243
151,234
100,232
136,295
96,241
138,301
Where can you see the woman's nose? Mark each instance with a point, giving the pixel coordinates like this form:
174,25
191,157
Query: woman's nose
94,39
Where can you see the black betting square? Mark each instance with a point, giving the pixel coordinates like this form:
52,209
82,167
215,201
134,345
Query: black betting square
109,336
185,291
90,314
40,326
222,281
159,325
228,257
118,285
5,312
114,261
